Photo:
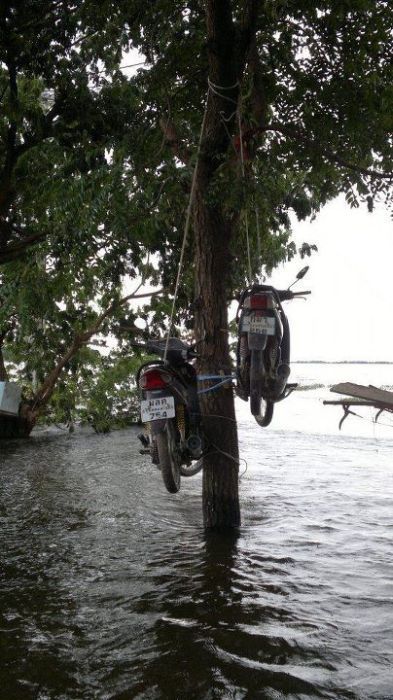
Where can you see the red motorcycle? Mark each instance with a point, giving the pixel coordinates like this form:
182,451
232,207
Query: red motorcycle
170,410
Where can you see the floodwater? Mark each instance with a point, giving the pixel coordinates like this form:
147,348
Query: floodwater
110,588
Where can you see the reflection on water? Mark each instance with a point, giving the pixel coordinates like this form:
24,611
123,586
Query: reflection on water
111,589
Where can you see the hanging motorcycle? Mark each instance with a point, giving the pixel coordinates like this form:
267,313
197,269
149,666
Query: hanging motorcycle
170,409
263,348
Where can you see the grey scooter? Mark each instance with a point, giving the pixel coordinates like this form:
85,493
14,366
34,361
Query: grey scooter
263,348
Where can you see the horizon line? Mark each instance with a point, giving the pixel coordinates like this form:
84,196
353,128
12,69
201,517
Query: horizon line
342,362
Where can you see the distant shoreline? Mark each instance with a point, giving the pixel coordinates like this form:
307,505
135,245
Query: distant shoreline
341,362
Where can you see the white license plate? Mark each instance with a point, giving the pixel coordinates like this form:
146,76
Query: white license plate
155,409
253,323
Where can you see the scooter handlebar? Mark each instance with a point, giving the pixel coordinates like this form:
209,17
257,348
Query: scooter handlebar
287,294
176,349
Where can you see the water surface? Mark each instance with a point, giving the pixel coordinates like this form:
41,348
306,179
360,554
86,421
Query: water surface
110,588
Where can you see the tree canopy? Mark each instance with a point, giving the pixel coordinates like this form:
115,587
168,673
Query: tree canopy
95,166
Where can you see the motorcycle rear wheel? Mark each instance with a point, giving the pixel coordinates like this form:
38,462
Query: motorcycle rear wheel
263,411
261,408
169,457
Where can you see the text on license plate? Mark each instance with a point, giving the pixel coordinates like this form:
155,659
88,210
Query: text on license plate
259,324
154,409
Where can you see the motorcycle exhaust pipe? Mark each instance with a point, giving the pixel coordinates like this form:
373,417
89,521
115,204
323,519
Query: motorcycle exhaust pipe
282,374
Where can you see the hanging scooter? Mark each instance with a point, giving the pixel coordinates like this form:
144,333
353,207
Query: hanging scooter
263,348
170,410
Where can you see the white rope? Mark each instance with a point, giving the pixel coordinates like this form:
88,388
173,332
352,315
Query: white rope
245,212
223,87
186,226
228,132
216,90
259,252
217,450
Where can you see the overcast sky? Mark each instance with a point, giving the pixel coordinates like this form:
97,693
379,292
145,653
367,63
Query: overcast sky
349,314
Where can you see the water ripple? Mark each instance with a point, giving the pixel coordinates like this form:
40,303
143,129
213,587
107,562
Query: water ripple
112,590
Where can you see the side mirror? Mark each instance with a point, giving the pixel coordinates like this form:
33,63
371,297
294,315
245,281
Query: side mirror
302,272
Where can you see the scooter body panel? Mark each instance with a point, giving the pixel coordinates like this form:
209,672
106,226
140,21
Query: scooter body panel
266,343
183,389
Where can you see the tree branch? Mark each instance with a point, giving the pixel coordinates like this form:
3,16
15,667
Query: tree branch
10,155
42,22
228,46
14,151
300,136
171,139
47,388
248,26
16,251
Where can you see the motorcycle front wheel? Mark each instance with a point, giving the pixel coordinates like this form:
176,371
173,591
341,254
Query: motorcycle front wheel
169,457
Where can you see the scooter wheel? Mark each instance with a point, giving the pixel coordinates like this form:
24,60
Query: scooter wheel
262,410
169,457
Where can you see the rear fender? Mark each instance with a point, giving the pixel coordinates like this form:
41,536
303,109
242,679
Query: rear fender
159,426
257,341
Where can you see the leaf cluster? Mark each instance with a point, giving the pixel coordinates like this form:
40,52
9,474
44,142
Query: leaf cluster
95,167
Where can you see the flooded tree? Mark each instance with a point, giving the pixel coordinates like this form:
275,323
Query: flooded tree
296,103
296,107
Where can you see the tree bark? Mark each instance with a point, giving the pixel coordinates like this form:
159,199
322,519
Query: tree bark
220,493
227,49
12,428
221,464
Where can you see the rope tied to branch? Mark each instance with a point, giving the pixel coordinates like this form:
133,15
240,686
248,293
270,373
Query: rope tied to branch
217,90
186,226
244,178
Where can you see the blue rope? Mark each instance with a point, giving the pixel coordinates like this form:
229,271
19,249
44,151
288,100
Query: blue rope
206,377
216,386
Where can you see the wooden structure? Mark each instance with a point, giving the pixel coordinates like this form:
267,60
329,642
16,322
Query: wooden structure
359,395
10,397
11,425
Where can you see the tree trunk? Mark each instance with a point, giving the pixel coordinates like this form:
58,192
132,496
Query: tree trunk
12,428
227,49
221,464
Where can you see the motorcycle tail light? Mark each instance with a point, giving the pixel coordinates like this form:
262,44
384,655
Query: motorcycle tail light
259,301
153,379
